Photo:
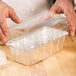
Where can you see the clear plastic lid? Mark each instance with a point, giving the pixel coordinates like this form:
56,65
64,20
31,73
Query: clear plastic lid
36,22
37,32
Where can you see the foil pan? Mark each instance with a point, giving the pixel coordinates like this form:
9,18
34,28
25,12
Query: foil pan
33,43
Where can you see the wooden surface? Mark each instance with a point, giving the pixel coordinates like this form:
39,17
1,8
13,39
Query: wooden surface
60,64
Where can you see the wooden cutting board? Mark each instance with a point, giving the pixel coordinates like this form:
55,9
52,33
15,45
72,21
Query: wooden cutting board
60,64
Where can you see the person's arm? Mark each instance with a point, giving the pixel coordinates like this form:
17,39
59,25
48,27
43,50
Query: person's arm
6,12
66,7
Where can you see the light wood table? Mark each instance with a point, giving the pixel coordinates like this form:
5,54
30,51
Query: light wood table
60,64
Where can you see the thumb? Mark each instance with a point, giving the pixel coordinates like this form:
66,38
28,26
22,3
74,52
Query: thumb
51,13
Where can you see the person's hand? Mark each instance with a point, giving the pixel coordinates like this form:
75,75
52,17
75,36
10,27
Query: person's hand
66,7
6,12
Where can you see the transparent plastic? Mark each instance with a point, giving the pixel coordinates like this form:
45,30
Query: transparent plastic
31,45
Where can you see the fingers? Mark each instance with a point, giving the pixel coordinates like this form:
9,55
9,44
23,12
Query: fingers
4,28
2,37
51,13
6,12
71,17
59,11
13,16
53,10
68,11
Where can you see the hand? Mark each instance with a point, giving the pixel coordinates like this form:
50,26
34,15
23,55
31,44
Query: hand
66,7
6,12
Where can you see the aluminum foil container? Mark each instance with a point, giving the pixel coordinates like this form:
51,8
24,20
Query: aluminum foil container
38,43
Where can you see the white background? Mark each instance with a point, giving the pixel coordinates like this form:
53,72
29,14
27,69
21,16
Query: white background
26,8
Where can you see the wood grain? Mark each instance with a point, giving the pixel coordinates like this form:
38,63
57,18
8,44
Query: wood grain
60,64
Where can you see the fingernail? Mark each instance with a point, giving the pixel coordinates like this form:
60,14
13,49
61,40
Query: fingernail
19,21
